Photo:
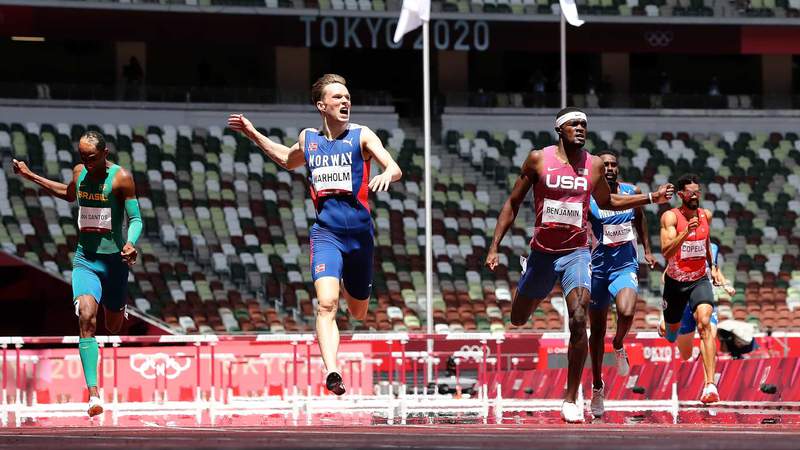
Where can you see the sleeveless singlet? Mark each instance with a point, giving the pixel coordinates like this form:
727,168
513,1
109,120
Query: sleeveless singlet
616,240
338,179
99,214
561,201
690,262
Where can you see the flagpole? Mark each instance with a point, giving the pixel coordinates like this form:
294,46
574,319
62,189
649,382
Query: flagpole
563,61
426,83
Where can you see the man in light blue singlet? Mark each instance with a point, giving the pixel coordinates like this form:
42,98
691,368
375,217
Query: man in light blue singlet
614,267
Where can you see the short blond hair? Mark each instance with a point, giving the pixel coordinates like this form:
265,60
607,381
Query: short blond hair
319,86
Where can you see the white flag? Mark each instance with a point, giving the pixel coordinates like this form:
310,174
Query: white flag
570,11
412,15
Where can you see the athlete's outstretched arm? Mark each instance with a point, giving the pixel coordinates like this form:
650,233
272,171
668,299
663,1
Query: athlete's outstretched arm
56,189
615,202
716,275
127,189
528,176
640,222
288,158
671,240
391,171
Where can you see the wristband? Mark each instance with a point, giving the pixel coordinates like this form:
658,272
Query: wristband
650,196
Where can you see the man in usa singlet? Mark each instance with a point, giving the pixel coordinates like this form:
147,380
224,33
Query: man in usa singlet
563,178
337,157
614,274
104,192
685,245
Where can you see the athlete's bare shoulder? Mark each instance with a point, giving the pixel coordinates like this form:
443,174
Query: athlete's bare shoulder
668,218
123,174
533,164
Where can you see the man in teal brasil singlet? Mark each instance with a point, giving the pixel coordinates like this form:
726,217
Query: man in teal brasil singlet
100,266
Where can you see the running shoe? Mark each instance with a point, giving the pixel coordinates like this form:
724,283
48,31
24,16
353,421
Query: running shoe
598,396
334,383
571,412
710,394
95,406
623,366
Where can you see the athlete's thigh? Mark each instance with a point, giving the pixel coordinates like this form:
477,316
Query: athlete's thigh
624,288
623,279
538,278
115,283
688,323
85,279
675,300
326,255
357,267
600,295
575,269
702,293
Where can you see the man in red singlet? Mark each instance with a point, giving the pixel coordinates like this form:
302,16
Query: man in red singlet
686,245
563,177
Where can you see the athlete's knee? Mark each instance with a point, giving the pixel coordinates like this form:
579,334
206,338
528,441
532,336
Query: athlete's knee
686,354
703,317
577,324
626,310
327,305
87,315
87,308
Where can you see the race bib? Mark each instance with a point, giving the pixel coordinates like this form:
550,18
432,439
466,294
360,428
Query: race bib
617,234
693,249
94,220
332,178
568,213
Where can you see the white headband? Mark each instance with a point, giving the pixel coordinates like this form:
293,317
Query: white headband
572,115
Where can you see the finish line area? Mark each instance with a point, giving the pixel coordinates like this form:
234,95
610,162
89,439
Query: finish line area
484,389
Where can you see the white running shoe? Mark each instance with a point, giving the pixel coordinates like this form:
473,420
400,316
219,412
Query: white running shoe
710,394
598,397
95,406
571,412
623,367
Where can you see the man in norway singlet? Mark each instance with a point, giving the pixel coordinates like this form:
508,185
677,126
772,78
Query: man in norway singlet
337,158
562,177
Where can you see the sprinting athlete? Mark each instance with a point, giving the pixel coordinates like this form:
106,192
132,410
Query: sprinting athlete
688,322
614,274
337,157
686,246
104,192
563,178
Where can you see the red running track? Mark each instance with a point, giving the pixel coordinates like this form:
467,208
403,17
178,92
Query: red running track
642,430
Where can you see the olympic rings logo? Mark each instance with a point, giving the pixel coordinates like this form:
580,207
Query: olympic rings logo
151,365
659,38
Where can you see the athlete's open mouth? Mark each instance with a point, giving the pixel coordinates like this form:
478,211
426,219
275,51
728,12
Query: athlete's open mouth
344,110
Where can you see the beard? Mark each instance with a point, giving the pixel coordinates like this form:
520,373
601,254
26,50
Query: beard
692,205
